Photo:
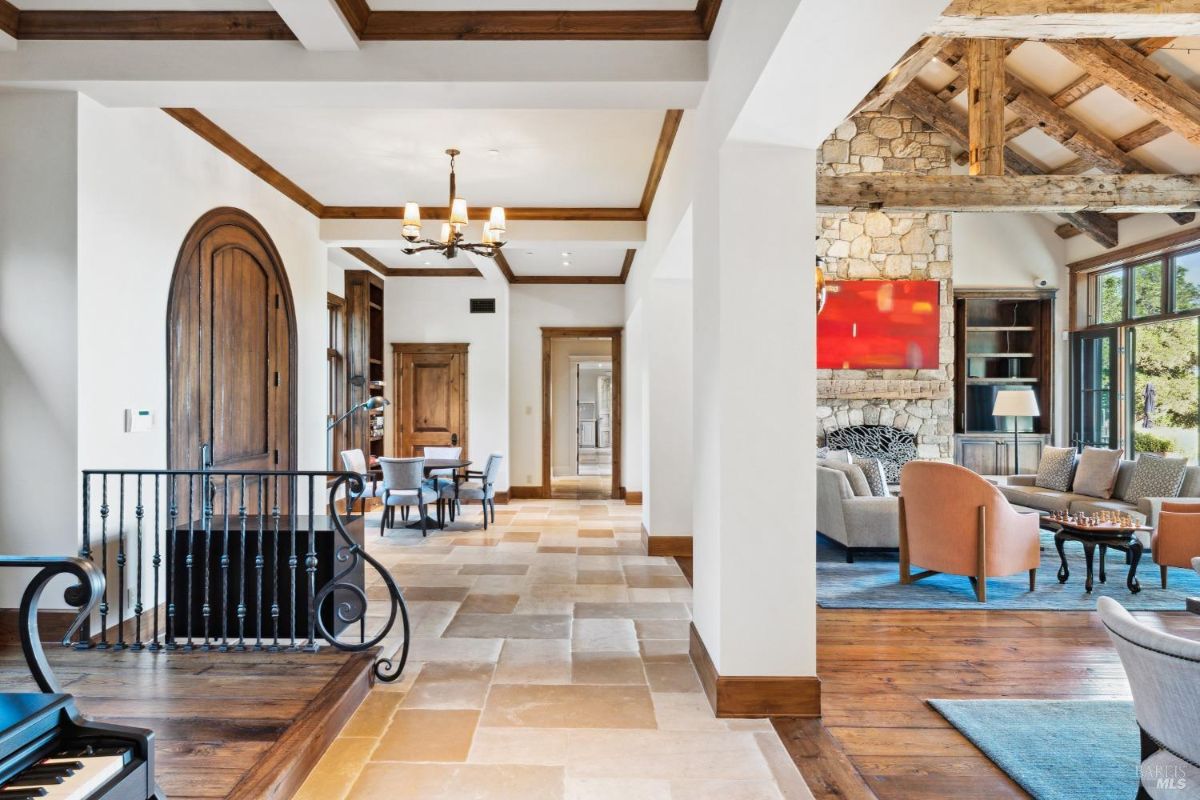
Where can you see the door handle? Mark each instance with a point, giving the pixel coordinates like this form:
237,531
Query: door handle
454,439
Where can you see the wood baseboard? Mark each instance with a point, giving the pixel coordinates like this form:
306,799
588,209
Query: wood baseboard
526,492
52,624
680,546
633,498
754,695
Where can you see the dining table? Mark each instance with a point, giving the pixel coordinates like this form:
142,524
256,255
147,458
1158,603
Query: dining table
432,465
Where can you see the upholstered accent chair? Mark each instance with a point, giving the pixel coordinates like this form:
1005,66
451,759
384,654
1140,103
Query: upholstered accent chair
1176,540
404,486
1163,672
354,461
953,521
483,490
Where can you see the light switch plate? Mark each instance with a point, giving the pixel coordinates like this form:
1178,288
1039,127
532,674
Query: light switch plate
139,420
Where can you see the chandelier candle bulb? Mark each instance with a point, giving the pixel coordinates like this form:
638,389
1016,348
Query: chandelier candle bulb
412,221
452,241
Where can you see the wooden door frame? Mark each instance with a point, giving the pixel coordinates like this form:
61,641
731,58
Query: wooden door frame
399,349
614,335
206,224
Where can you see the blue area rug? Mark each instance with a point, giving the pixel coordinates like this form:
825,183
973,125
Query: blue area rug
1055,749
873,581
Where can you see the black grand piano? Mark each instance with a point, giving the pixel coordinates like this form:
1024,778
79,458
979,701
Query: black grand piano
47,748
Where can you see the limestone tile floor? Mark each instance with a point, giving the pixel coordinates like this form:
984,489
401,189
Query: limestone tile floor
548,661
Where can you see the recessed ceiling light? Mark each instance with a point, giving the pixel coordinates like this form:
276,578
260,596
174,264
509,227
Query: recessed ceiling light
566,263
427,263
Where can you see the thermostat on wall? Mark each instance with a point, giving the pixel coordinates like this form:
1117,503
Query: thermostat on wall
139,420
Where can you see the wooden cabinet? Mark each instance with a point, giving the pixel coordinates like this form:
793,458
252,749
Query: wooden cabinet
992,454
364,360
1003,339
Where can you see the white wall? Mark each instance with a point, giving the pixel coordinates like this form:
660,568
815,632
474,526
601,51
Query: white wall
563,426
38,347
530,309
438,310
667,505
1016,250
144,180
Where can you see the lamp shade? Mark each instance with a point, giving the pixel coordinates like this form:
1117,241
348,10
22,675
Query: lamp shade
375,402
1016,403
458,212
412,214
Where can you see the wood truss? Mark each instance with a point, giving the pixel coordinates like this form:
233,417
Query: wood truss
1002,179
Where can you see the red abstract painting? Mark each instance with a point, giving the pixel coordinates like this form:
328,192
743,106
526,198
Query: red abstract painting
879,325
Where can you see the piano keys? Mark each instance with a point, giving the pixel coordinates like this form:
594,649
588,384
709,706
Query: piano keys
49,750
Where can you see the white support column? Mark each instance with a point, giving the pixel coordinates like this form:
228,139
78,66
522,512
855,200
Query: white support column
754,387
668,503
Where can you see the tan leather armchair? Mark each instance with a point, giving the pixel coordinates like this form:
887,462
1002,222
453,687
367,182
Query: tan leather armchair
1176,540
952,521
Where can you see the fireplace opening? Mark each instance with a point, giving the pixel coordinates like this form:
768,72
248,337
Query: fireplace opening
892,446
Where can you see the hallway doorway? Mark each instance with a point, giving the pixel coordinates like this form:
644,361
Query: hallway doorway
581,402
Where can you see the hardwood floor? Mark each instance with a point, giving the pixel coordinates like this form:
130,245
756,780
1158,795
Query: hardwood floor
878,668
243,725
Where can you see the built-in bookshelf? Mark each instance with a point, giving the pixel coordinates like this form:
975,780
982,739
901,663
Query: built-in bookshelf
1004,339
364,362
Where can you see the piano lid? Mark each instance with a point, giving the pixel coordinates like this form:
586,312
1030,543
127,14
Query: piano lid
25,716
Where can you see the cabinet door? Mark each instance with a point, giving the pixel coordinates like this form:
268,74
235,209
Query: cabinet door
984,456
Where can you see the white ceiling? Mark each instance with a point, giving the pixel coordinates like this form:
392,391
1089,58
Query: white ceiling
550,260
395,257
391,156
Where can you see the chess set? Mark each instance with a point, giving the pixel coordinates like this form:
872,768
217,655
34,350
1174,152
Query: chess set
1097,521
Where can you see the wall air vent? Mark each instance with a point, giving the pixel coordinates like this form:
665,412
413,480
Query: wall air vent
483,305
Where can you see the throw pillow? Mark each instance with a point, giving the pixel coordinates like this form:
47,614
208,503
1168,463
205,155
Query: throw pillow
839,455
873,470
822,452
1097,472
1056,469
854,475
1155,476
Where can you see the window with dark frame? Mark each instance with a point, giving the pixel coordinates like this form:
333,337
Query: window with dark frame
335,361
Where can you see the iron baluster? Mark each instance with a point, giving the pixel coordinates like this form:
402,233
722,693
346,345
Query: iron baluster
244,550
103,645
85,553
259,563
157,560
225,566
293,502
120,643
206,515
172,588
189,561
310,566
275,562
139,513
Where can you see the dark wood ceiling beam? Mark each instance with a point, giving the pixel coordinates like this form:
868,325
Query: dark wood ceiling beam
658,165
215,135
1024,193
356,12
707,11
945,119
627,264
8,18
527,25
152,25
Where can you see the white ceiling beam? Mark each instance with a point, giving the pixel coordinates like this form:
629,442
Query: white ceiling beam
320,25
444,74
617,236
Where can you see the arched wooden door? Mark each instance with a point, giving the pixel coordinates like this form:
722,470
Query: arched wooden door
231,361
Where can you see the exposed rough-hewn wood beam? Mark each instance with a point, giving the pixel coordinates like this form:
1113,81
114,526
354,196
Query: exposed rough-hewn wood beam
1025,193
901,75
985,106
1069,231
1142,136
1087,83
945,119
1172,102
1069,19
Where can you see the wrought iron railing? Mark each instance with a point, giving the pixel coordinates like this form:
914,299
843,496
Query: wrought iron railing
226,560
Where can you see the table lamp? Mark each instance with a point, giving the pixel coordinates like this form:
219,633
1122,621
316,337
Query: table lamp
1016,403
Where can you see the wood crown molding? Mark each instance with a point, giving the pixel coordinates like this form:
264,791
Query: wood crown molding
663,25
413,272
1180,240
430,347
754,696
564,280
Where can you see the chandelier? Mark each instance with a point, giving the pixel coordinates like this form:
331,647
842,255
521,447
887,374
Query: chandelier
451,240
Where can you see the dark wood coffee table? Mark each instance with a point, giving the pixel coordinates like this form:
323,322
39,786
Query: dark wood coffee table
1117,537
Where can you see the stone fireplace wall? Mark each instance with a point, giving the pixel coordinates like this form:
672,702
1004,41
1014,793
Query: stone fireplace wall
880,245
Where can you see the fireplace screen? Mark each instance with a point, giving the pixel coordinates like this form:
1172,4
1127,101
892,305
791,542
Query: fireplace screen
893,447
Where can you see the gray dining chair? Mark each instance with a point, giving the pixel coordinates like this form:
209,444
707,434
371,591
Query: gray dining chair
354,461
404,486
483,490
1164,673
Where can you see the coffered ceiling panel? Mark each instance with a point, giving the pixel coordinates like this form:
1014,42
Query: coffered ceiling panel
565,262
572,158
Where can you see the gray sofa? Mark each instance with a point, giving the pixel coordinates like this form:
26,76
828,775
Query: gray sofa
855,519
1022,491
